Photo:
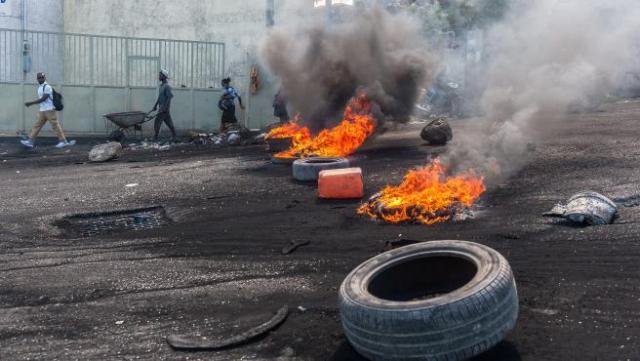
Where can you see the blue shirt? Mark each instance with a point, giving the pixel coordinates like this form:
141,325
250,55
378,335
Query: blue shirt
231,91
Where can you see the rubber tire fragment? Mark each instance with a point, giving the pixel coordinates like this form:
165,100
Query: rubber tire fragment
192,343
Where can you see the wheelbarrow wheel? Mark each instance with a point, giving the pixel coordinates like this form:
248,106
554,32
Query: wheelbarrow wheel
117,136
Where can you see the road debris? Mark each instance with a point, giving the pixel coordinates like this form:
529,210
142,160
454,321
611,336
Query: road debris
588,207
343,183
419,287
545,311
195,343
105,152
397,243
426,195
277,145
438,132
131,185
628,202
294,245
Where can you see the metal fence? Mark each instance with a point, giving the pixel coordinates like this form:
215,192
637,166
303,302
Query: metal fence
106,74
77,59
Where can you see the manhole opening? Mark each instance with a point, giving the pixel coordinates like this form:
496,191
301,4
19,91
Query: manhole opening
92,224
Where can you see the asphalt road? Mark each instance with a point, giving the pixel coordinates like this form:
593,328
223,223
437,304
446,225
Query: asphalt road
216,269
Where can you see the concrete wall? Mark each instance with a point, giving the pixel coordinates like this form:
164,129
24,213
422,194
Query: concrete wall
43,15
85,107
240,24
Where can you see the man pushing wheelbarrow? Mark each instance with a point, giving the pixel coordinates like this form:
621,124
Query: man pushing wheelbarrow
128,120
163,105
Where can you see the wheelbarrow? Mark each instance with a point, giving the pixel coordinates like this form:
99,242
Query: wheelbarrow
126,123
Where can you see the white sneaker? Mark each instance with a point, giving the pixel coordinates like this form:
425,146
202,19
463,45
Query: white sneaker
27,143
65,144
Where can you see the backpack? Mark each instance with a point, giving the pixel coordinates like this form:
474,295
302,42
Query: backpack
56,98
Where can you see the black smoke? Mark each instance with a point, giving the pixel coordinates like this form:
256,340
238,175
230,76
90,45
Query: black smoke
321,67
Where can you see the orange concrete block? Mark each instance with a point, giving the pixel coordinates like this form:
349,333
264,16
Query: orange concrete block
343,183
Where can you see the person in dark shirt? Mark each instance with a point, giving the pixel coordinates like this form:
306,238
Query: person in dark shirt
227,105
280,107
163,105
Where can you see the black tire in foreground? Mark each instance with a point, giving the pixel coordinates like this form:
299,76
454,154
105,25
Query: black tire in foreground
437,132
308,169
441,300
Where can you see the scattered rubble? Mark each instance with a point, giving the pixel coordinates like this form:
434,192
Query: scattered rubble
588,207
146,145
233,136
195,343
105,152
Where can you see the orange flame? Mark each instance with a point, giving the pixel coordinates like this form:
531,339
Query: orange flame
426,195
344,139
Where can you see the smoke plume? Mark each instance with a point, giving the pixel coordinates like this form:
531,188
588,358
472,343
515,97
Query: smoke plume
545,58
321,67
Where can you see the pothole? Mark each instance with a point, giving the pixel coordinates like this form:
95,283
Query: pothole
100,223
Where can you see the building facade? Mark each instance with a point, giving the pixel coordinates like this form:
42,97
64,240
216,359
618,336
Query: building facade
238,24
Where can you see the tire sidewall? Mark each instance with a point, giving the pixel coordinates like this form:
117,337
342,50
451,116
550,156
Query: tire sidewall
453,326
308,169
486,260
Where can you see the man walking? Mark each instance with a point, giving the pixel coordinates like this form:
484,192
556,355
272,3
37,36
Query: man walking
47,113
164,106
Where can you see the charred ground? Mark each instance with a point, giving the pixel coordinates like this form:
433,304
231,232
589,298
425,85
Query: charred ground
217,268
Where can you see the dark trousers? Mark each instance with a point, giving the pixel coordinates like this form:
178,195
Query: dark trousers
228,119
166,118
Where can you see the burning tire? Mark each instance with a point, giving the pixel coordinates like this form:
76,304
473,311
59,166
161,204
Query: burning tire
442,300
278,145
438,132
282,160
307,169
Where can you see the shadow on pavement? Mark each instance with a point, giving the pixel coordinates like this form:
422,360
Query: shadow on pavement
504,351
